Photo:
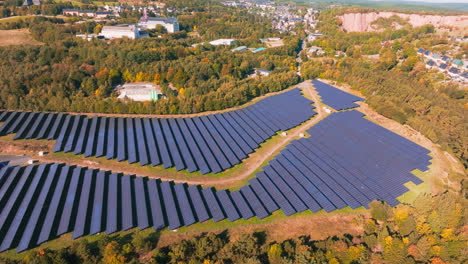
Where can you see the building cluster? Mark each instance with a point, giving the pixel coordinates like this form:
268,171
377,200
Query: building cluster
88,13
455,69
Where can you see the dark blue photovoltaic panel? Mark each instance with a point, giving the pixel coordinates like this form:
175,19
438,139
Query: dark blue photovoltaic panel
46,126
184,204
18,122
28,201
157,206
171,144
101,138
56,127
249,131
92,137
53,213
141,206
111,139
162,145
264,195
127,204
170,206
121,140
34,222
243,206
254,202
195,152
35,127
71,202
334,97
141,142
226,203
219,145
213,148
8,123
229,143
9,185
82,137
98,205
239,139
59,144
86,199
72,137
198,203
153,151
184,150
215,209
131,145
205,150
113,204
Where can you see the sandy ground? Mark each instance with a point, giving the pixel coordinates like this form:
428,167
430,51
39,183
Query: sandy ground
17,37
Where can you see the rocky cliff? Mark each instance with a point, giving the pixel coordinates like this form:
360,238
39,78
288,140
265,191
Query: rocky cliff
359,22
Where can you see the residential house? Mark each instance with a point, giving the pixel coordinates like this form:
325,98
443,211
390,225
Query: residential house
169,23
457,63
120,31
443,67
421,51
431,64
454,72
240,48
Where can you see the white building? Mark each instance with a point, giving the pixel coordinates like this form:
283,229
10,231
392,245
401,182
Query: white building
169,23
219,42
120,31
139,91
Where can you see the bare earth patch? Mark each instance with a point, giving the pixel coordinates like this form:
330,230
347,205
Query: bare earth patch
17,37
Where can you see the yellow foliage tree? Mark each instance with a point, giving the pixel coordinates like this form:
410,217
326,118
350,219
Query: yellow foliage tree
112,254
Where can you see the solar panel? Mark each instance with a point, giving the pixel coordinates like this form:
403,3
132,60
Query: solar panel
72,137
170,206
248,131
192,146
9,184
153,150
128,214
8,123
111,139
141,142
228,206
56,126
67,220
64,133
121,140
27,204
242,205
52,215
157,207
205,150
143,218
237,138
161,143
101,139
198,203
228,143
265,196
18,122
213,205
99,204
254,202
114,209
85,206
35,126
131,146
82,137
172,145
14,201
92,137
220,147
46,126
184,204
34,223
184,150
213,147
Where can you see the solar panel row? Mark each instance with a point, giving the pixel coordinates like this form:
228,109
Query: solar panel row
210,143
334,97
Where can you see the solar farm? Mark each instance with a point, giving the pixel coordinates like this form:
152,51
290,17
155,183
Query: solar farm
345,161
209,143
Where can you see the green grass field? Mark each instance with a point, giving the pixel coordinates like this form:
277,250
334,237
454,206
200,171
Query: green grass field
13,19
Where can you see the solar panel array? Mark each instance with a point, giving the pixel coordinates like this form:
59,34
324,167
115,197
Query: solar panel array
347,161
210,143
334,97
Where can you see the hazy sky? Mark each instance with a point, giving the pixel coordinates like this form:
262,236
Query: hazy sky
440,1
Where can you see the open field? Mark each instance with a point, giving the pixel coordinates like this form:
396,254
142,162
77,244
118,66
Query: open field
13,19
17,37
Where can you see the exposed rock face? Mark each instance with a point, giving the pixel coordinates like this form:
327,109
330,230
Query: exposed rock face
359,22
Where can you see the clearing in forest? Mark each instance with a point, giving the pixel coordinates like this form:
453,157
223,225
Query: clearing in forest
17,37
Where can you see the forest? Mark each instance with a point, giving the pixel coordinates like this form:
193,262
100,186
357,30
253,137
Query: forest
430,230
397,85
70,74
